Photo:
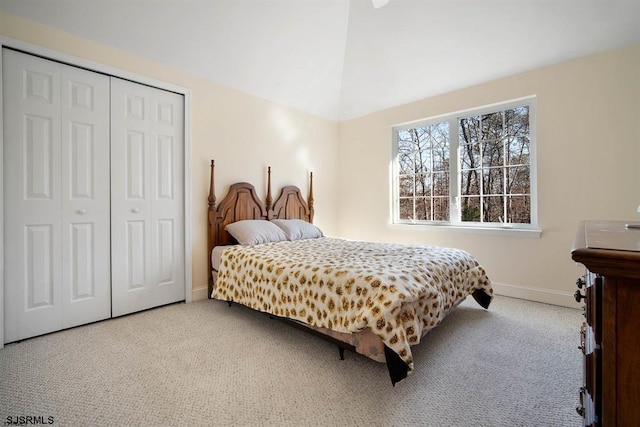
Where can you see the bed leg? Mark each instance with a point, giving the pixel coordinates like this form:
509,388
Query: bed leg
341,350
229,302
481,298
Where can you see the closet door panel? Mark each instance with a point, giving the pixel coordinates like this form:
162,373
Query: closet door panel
147,197
55,272
86,271
32,199
130,202
167,172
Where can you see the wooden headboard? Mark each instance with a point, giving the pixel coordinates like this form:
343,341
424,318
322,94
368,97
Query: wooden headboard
242,202
291,205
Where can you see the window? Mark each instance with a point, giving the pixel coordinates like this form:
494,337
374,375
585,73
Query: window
471,169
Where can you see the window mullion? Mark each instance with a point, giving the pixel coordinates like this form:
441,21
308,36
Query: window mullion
454,171
431,174
505,174
413,199
481,172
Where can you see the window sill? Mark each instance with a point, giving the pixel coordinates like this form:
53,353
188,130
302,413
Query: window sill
532,233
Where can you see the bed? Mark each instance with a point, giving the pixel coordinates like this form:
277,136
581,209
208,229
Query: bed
376,299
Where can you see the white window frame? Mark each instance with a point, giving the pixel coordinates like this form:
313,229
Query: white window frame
455,166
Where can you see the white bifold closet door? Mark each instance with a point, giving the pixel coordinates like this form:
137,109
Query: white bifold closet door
147,197
56,196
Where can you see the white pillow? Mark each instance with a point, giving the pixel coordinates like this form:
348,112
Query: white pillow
255,231
296,229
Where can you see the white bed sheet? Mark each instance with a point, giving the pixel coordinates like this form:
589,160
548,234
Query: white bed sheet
216,254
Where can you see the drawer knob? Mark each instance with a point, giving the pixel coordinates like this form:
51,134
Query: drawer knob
580,282
578,296
580,411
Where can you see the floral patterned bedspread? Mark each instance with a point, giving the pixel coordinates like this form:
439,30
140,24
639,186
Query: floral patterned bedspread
398,291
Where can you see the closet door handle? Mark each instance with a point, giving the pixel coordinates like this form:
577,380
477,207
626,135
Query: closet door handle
135,210
81,211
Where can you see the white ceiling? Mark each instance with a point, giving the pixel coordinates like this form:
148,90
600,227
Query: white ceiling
342,58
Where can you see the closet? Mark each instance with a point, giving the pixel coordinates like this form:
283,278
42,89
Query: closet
93,196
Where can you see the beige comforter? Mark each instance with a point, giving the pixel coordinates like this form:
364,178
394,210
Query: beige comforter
399,291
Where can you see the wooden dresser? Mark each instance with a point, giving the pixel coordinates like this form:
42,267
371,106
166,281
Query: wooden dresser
610,334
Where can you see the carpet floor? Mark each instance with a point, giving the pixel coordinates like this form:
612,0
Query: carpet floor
204,363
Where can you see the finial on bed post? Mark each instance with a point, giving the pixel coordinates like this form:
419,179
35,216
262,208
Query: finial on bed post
269,198
212,196
310,199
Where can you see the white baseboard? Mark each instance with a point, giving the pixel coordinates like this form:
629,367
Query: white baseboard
547,296
199,293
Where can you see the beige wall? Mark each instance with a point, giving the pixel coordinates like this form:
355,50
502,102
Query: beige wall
243,133
588,139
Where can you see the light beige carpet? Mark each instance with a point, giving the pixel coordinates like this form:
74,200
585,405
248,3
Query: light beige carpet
204,363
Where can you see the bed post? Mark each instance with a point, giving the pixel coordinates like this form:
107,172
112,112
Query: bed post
212,196
211,238
310,198
269,201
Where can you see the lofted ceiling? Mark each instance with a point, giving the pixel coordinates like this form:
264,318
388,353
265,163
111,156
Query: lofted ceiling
342,59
